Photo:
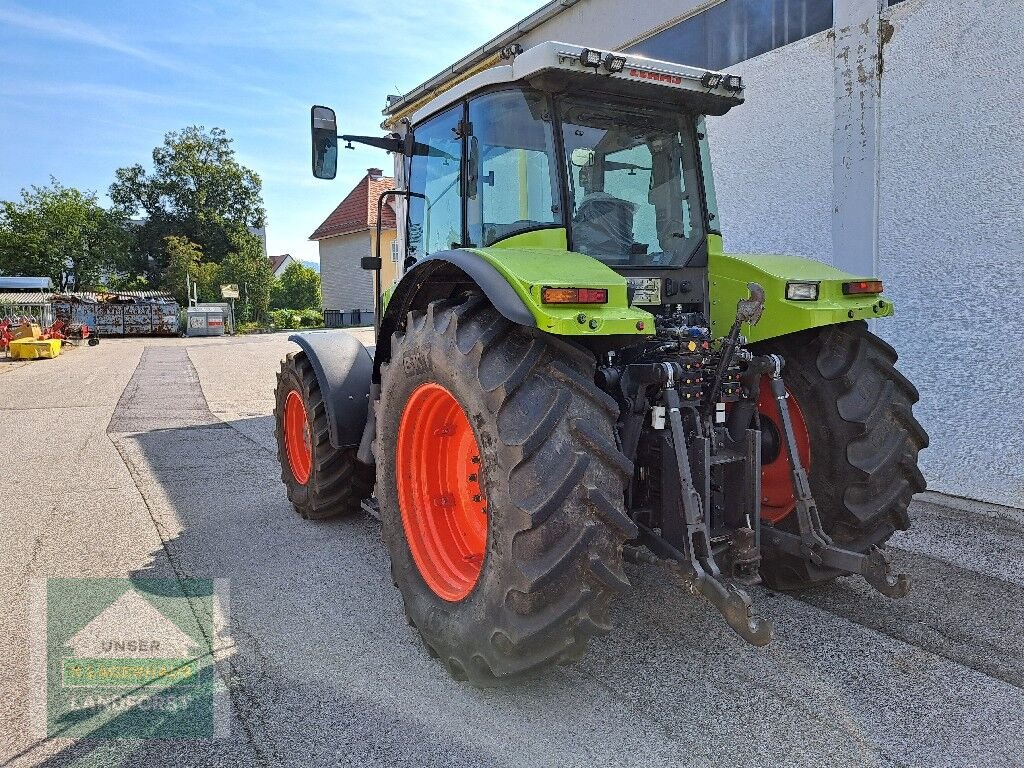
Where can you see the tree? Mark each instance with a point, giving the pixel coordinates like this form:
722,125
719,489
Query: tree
61,233
297,288
197,189
184,265
247,266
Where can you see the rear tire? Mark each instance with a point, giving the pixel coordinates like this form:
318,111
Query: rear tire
552,477
328,481
864,442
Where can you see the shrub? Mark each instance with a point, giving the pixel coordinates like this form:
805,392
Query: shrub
296,318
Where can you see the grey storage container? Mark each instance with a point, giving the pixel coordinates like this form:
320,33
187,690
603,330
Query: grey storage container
205,321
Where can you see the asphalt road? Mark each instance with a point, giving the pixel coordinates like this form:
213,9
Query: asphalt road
156,458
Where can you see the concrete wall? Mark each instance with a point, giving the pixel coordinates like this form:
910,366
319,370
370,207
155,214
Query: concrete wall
772,157
345,285
952,234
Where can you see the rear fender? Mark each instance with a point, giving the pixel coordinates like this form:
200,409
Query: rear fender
440,276
729,274
512,277
344,369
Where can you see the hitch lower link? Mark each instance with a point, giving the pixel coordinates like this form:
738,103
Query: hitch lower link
698,562
813,544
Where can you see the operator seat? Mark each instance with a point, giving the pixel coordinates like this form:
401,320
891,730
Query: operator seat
603,226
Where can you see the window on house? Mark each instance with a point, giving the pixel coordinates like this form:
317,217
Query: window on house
435,220
394,251
736,30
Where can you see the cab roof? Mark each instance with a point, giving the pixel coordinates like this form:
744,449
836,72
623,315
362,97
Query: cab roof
556,66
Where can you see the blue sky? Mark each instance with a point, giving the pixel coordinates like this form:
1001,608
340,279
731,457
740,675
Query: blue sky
87,86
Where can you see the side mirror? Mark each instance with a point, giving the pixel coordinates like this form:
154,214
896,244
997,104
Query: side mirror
324,129
582,158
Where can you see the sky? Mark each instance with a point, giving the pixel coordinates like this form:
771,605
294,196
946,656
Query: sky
88,86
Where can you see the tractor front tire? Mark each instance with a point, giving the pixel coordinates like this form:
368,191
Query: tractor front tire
864,442
322,481
501,491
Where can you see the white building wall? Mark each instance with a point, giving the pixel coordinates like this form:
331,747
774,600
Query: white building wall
344,283
952,234
772,156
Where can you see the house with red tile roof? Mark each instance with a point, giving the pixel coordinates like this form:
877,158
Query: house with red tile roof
345,237
278,264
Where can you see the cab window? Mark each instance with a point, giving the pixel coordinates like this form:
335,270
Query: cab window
435,220
512,169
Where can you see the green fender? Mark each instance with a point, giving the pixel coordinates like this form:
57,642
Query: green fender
729,273
534,260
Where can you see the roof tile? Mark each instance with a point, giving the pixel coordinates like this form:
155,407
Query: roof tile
358,211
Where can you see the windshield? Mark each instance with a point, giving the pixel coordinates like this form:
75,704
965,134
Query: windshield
633,183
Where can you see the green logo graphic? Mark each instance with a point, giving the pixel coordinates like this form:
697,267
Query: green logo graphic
132,658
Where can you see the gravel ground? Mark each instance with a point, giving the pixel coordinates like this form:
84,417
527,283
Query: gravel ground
156,458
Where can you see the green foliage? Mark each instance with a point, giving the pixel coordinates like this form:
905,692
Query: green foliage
115,283
299,287
197,189
250,327
184,262
61,233
297,318
246,265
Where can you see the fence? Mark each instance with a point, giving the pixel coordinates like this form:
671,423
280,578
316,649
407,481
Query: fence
336,318
14,306
132,317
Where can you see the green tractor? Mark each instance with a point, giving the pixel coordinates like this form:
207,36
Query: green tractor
570,372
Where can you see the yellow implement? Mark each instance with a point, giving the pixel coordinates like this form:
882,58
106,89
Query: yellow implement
34,349
32,331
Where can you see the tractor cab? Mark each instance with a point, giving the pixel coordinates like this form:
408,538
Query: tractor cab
575,149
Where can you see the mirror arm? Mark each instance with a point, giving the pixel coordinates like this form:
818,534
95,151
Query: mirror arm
391,143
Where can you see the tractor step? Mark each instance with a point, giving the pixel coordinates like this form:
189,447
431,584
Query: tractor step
371,507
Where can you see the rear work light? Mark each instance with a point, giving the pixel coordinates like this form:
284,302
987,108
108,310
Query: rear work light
802,291
614,63
860,287
732,83
574,295
711,80
590,58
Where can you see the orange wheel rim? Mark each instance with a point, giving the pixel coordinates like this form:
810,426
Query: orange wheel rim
297,441
777,497
440,492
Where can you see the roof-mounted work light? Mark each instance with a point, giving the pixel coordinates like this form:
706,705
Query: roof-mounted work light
732,83
711,80
590,58
614,63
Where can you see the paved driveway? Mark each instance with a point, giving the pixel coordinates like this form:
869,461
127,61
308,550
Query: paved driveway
166,467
